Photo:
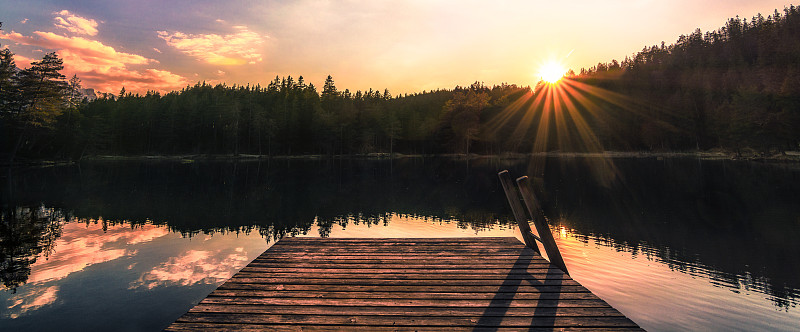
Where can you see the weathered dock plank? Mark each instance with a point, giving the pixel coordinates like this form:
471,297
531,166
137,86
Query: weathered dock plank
325,328
317,284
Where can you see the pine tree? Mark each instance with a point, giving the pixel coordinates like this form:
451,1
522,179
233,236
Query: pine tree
42,97
8,70
75,96
329,89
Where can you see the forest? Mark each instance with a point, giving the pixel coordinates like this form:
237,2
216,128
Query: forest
732,89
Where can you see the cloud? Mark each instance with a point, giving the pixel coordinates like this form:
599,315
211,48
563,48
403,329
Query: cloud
237,48
101,66
24,20
30,299
85,245
195,267
148,79
22,62
157,50
86,54
81,245
75,24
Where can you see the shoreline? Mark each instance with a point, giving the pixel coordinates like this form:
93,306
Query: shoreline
789,156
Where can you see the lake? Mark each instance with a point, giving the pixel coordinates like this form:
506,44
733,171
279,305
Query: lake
673,243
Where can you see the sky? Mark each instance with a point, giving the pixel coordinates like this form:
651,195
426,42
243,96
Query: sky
403,46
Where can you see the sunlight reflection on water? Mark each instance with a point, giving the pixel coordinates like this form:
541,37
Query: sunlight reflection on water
650,290
665,295
659,295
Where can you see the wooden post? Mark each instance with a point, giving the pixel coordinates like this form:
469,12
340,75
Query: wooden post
517,209
540,223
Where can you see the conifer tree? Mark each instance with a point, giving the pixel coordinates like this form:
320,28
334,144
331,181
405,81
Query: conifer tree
8,69
42,97
329,89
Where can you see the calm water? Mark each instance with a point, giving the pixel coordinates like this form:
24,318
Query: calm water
675,244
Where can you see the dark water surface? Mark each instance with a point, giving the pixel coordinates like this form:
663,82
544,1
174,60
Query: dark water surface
675,244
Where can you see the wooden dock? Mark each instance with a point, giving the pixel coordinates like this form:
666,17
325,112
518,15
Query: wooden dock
401,284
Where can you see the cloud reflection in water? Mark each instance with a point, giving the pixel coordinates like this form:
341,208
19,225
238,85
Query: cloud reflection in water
195,267
83,245
32,299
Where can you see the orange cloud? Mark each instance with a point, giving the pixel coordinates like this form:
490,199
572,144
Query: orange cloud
17,37
148,79
101,66
84,245
22,62
75,24
31,299
81,245
87,53
233,49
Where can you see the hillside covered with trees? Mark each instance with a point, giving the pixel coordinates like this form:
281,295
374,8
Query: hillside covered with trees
737,87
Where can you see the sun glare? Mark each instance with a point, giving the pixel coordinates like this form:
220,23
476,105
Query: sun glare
552,72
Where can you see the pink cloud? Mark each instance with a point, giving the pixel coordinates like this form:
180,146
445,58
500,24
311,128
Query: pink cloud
101,66
90,52
81,245
237,48
16,37
84,245
22,62
75,24
137,81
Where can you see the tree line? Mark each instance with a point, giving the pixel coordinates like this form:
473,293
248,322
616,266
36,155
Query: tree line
733,88
736,87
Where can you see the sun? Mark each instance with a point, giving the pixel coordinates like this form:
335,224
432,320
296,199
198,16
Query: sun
552,72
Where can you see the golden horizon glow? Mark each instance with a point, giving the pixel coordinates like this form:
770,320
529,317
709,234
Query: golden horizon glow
251,42
552,72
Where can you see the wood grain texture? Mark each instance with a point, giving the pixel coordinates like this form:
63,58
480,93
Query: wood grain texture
313,284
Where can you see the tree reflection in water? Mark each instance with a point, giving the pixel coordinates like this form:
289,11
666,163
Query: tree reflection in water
26,234
733,224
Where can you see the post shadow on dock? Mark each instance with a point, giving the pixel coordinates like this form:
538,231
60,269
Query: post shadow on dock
420,284
544,313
